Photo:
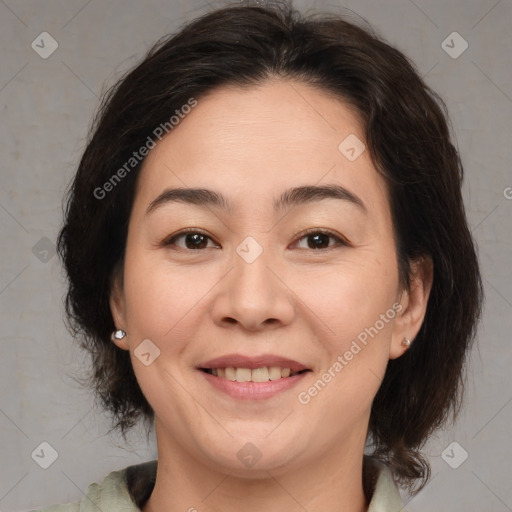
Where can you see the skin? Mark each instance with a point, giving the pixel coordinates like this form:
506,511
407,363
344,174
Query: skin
304,303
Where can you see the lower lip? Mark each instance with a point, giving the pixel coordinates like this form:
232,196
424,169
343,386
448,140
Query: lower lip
253,390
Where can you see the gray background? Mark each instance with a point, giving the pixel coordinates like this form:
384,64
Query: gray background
47,106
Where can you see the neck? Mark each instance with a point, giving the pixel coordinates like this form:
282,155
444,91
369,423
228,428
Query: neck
333,483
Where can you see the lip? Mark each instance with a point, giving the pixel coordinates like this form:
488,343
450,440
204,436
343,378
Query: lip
253,390
242,361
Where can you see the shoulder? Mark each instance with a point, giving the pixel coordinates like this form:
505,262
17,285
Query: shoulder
122,490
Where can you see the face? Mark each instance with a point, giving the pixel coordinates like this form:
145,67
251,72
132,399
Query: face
285,266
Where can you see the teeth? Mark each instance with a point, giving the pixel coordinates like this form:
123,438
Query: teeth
274,373
243,374
263,374
230,374
260,374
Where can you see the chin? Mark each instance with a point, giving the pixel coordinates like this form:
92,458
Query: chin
250,456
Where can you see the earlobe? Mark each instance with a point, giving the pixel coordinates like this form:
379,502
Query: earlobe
414,303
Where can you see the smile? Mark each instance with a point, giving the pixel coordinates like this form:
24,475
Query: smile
252,377
262,374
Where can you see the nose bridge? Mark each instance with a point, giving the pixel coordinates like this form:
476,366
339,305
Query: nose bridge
251,280
251,294
252,286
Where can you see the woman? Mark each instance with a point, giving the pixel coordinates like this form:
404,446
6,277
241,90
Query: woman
269,259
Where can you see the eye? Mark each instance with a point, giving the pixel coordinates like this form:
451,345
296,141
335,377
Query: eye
321,239
190,239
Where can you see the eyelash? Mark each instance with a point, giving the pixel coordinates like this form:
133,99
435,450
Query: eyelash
340,242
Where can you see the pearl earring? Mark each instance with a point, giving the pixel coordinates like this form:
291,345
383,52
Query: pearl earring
119,334
406,342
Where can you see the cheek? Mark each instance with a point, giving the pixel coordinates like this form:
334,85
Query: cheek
163,300
353,304
351,296
356,318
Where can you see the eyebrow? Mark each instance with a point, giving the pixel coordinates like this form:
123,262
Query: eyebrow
292,197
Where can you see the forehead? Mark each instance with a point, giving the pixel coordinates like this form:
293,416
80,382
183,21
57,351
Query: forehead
253,143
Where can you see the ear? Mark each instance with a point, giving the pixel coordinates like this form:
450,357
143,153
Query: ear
414,305
117,307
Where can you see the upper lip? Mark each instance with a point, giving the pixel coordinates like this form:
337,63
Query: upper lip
252,362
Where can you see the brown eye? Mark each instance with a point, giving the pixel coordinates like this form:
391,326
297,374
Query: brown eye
192,240
196,241
320,240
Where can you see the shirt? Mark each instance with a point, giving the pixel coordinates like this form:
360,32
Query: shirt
127,490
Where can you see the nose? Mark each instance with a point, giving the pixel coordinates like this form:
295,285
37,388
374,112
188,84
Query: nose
253,296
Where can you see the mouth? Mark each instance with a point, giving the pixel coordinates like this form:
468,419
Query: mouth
261,374
253,377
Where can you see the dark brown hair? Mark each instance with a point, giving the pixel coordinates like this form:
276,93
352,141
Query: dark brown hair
407,135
